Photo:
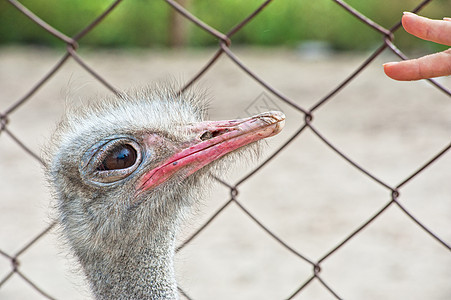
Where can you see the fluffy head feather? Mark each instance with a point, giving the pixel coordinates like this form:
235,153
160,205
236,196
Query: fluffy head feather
93,215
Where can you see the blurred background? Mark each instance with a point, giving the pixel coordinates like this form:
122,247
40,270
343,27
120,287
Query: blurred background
154,24
307,195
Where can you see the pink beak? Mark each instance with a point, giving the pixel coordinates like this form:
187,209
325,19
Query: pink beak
215,139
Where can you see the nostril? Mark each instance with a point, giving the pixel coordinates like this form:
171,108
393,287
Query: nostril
206,136
211,134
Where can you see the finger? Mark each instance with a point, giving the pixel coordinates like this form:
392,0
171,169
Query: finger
438,31
434,65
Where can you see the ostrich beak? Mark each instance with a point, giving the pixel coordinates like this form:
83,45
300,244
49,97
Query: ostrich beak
214,140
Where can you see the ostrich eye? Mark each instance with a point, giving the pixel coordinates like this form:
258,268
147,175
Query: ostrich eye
111,160
120,157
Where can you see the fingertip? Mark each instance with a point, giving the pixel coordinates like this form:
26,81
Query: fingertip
405,19
388,67
392,70
413,23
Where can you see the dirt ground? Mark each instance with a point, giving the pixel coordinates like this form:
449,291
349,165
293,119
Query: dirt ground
308,195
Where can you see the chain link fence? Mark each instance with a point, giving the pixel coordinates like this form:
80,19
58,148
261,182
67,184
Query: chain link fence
307,123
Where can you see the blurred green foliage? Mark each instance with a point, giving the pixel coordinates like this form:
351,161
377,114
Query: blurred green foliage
145,23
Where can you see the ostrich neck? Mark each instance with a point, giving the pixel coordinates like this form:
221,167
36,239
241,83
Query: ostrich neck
143,273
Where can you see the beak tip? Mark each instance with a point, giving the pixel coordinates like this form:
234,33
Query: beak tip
279,126
280,116
275,118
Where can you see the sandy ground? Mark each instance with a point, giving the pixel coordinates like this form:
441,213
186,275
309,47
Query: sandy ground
309,196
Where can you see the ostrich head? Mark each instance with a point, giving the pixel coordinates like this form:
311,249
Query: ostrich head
125,171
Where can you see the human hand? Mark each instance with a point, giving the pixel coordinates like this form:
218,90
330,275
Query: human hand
433,65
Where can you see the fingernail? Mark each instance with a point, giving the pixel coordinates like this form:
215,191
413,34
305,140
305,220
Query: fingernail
408,13
389,64
446,19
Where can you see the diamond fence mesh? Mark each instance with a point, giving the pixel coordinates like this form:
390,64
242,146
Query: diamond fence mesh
307,125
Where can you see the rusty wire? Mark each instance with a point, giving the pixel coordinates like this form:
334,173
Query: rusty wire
224,48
